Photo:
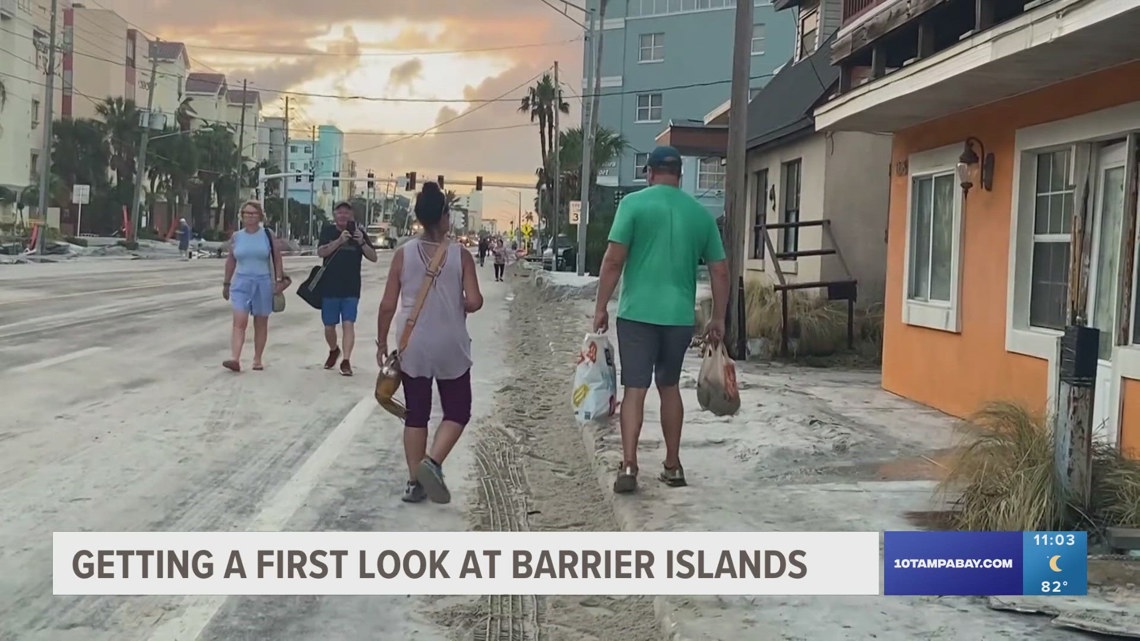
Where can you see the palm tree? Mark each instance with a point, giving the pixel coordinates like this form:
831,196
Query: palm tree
122,116
608,145
172,164
540,103
81,152
218,160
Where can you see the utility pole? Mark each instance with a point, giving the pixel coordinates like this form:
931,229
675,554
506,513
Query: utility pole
589,117
241,139
285,168
555,152
140,163
312,184
736,210
45,153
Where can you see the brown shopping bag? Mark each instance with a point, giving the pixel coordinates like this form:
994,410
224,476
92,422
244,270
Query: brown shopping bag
716,384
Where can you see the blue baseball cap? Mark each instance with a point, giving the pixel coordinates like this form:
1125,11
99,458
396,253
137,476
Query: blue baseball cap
664,156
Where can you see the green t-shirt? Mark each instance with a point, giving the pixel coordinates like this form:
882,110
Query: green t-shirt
667,233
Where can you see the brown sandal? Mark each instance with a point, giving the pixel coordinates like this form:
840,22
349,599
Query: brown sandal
232,365
258,368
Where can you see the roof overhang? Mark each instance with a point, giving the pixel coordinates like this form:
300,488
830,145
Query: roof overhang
696,140
718,116
1054,42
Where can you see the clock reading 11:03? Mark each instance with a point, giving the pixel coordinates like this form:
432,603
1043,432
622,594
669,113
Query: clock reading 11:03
1054,538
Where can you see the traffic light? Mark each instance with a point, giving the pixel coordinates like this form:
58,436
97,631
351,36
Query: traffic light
312,177
336,179
440,179
411,175
617,197
478,183
371,182
297,178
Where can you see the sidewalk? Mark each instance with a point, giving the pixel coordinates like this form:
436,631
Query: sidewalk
810,450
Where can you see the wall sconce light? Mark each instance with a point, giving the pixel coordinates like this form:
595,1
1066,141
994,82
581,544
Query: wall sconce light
968,159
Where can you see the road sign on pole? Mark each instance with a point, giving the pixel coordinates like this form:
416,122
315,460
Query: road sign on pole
80,195
575,212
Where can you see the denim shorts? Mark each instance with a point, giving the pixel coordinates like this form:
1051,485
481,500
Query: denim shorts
335,311
252,294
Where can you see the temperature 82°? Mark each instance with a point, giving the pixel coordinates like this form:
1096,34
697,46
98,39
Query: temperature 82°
1053,586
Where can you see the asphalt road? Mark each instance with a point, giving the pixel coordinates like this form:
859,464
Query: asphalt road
117,416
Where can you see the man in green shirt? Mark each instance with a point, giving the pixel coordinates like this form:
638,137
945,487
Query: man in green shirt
658,239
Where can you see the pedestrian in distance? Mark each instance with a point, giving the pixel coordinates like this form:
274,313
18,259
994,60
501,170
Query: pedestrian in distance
253,275
484,246
500,254
184,234
343,246
657,240
438,347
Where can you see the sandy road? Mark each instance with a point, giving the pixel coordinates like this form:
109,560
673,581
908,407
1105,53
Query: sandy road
116,415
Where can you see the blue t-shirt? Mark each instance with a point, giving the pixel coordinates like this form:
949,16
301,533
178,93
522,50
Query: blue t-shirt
251,250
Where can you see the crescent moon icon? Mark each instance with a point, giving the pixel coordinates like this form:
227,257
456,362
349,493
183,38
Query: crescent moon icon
1053,563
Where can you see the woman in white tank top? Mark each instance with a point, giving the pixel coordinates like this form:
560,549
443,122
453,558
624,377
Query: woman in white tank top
439,348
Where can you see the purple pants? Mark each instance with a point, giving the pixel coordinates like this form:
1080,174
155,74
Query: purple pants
454,396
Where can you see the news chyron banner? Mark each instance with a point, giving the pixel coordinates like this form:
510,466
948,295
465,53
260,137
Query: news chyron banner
985,563
466,563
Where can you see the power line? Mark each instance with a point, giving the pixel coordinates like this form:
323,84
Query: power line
381,54
503,99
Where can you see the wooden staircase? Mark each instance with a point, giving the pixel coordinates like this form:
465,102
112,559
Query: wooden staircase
842,289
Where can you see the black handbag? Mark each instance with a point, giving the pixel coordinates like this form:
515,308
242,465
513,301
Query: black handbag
310,291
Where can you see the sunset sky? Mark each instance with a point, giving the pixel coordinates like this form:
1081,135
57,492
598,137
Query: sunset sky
421,49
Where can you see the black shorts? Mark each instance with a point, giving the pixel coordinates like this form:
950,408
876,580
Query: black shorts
652,353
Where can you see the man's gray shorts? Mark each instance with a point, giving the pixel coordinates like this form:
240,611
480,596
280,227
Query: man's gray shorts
651,353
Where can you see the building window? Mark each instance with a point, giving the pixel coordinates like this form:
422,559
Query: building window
760,217
1052,221
649,107
758,32
931,238
34,167
292,149
808,30
710,174
35,113
639,161
308,149
807,44
652,47
791,211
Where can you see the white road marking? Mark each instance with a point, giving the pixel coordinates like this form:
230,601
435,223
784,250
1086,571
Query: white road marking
58,360
274,516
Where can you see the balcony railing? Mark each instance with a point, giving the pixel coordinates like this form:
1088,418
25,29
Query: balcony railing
855,8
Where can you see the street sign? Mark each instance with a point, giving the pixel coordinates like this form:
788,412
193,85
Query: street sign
527,229
575,212
81,194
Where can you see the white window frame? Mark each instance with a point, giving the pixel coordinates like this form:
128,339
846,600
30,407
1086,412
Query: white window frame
937,315
704,175
640,159
1020,338
655,51
648,108
761,38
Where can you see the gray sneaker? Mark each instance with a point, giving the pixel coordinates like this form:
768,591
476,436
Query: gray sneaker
626,482
414,493
673,477
430,475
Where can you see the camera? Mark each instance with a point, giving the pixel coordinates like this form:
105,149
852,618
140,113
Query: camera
351,226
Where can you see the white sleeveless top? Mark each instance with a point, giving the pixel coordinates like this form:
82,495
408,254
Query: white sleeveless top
440,346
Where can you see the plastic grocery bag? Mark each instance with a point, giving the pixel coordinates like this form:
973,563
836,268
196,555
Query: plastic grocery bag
716,384
595,380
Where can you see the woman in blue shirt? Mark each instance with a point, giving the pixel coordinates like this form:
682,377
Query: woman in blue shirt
253,276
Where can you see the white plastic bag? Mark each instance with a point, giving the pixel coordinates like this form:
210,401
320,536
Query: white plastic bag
717,391
594,395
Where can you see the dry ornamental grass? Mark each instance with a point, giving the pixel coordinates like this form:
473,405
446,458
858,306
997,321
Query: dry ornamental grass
1004,479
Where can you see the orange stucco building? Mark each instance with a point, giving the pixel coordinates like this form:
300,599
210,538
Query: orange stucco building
1038,119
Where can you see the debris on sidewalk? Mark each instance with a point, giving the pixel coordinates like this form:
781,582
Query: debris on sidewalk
812,449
